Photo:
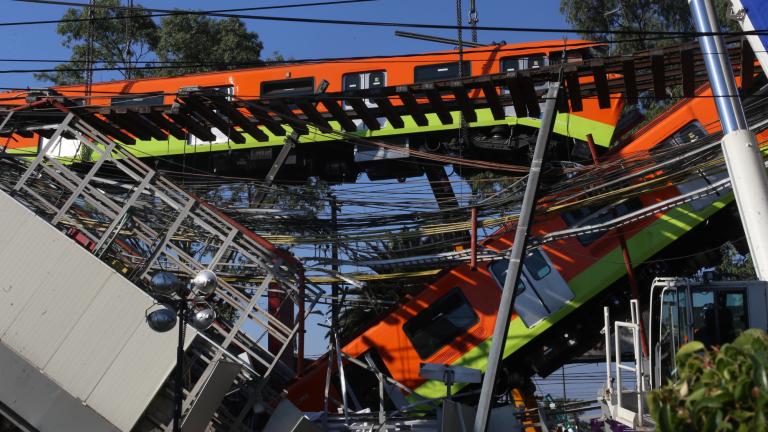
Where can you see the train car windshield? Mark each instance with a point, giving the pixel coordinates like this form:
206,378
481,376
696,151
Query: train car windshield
534,262
441,323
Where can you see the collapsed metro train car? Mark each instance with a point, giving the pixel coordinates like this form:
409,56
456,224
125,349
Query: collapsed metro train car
451,320
325,154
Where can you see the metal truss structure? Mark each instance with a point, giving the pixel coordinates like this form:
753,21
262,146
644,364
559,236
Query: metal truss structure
139,222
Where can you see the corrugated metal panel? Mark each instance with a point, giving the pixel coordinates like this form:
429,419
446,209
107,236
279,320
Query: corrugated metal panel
41,402
64,311
98,338
136,375
15,216
20,260
71,284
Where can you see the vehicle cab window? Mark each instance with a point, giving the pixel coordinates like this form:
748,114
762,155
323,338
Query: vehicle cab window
440,323
718,316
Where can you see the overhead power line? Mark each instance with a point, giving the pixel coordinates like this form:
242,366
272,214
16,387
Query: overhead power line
413,25
165,12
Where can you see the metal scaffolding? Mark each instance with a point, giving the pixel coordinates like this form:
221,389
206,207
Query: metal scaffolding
138,222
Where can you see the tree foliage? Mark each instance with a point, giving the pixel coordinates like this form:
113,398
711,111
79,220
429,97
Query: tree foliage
734,265
212,44
646,16
111,28
723,389
128,39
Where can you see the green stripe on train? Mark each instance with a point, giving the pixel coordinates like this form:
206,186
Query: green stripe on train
589,283
565,124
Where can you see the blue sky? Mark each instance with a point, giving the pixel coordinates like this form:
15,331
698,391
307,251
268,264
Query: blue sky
294,39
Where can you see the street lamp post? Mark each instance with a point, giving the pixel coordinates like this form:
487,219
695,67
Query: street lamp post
185,303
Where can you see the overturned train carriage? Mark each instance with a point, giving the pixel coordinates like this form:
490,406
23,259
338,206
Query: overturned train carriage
671,178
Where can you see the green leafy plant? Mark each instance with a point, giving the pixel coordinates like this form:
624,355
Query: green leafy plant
720,389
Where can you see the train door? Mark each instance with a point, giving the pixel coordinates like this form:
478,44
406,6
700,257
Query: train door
519,63
528,305
541,290
220,136
551,287
364,81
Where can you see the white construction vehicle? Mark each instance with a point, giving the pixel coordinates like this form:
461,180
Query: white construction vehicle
680,310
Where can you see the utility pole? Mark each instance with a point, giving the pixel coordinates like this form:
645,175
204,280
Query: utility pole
89,63
515,256
742,154
334,265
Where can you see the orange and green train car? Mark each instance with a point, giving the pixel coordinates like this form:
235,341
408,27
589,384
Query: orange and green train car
451,320
301,79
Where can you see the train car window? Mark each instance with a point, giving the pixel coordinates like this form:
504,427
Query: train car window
288,87
351,82
594,52
689,133
594,215
512,64
537,266
376,79
499,271
440,71
534,262
137,100
440,323
572,56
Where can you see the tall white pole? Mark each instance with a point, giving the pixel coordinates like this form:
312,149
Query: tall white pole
516,253
742,155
